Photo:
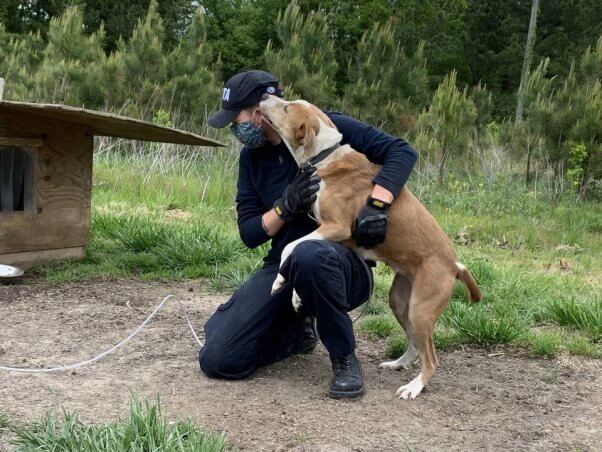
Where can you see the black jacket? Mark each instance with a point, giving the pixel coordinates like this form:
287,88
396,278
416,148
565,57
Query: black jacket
265,172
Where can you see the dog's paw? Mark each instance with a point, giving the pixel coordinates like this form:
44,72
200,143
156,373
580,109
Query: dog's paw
412,389
404,362
395,365
296,301
279,284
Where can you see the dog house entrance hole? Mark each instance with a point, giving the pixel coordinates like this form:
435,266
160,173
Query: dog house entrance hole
16,179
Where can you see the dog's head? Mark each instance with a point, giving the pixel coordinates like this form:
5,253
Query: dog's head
303,127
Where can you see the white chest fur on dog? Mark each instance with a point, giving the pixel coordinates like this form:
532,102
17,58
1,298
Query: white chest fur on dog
315,207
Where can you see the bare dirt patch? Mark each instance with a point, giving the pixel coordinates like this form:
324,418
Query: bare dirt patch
475,401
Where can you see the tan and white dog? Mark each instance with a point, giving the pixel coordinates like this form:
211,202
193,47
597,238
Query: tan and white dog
422,256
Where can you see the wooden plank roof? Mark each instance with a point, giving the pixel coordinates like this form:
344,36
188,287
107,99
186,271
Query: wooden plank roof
108,124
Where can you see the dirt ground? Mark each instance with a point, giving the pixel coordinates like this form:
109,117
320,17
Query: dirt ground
479,399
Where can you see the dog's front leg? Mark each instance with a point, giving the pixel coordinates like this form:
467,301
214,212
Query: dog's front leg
324,232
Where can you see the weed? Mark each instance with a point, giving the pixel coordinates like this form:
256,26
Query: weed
145,429
580,346
545,344
374,306
396,346
379,325
446,339
586,316
481,325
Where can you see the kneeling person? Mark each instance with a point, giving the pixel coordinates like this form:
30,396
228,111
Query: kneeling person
255,328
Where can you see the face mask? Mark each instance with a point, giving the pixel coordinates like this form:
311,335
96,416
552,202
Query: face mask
248,135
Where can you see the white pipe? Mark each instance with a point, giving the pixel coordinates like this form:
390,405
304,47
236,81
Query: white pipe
1,87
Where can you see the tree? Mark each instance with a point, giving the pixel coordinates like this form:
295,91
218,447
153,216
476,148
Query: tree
144,65
119,18
22,58
306,62
31,16
387,87
63,75
526,62
193,86
567,114
448,121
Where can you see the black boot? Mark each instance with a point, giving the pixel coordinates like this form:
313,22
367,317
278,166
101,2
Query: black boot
348,380
309,339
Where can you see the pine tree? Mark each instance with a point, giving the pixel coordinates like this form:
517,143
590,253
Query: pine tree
449,121
22,56
193,75
566,113
387,88
64,74
306,62
483,101
144,65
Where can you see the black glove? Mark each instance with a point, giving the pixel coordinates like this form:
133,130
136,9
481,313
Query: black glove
299,194
371,224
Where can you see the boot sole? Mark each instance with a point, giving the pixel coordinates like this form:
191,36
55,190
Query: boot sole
346,394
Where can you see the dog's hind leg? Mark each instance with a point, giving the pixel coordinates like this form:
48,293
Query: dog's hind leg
431,291
399,301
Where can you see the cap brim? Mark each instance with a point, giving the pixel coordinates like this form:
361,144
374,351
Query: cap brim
222,118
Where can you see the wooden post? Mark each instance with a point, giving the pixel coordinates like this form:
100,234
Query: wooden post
1,87
526,63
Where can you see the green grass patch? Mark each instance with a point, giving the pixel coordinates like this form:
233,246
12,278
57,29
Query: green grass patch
374,306
545,344
231,276
379,326
585,316
537,257
447,339
146,429
578,345
3,421
484,325
396,346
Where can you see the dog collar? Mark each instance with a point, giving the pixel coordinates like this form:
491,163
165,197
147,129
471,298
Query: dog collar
323,154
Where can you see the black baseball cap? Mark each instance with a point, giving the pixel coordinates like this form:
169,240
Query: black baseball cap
241,91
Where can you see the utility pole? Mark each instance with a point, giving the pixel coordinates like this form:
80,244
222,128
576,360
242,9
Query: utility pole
526,63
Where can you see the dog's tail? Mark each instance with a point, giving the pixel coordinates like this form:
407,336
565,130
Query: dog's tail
465,276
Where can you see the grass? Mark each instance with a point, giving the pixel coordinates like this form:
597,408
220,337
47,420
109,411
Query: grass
545,344
169,213
146,429
379,325
578,316
3,421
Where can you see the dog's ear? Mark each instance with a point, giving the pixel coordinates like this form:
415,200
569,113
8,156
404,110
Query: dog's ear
306,132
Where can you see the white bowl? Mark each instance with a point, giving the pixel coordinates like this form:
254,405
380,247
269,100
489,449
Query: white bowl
8,273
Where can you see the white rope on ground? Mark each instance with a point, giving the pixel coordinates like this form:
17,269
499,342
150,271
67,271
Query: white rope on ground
112,349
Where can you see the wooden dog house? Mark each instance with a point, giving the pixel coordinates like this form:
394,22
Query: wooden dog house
46,175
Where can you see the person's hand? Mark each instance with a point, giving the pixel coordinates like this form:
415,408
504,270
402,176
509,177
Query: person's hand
299,194
371,224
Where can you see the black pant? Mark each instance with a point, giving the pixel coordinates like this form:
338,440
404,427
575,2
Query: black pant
254,328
